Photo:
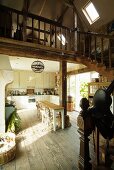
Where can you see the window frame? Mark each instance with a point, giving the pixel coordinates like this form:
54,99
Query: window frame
88,17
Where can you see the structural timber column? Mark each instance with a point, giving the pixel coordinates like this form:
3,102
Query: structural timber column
63,90
75,32
63,85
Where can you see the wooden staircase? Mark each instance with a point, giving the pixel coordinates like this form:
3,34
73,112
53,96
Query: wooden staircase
95,66
97,52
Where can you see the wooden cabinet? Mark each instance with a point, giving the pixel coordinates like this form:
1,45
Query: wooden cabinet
70,106
94,86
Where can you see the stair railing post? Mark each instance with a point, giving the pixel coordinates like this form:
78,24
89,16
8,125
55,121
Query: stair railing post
102,49
85,124
110,62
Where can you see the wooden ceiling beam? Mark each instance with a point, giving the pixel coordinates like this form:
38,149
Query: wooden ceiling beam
31,50
60,19
82,70
26,4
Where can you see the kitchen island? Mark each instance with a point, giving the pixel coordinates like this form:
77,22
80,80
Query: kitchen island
55,109
29,101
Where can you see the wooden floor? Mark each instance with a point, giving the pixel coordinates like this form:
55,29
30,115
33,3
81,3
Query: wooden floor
38,149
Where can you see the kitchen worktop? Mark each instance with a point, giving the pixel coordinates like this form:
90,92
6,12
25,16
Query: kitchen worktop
28,101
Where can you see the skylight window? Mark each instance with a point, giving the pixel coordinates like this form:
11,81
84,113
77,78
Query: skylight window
90,12
61,38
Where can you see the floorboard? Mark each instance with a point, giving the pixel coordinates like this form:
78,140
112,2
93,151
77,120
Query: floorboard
38,149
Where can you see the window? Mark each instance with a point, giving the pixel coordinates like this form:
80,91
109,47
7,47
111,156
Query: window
61,38
90,12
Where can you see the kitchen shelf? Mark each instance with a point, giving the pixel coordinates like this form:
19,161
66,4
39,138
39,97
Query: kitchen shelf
93,87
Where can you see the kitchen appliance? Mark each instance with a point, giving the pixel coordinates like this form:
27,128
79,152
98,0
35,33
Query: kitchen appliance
30,91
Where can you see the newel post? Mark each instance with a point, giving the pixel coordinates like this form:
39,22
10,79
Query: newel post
85,124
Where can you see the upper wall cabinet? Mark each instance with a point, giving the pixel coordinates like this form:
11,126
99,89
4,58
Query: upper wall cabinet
39,80
23,79
52,80
29,79
46,78
15,83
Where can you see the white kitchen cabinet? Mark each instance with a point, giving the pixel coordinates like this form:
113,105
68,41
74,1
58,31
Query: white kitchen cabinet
54,99
39,80
31,79
23,79
27,79
52,80
15,82
42,97
46,80
22,102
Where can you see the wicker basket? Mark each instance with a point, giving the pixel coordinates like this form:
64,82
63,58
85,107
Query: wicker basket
8,155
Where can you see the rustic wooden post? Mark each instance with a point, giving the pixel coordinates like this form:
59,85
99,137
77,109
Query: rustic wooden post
63,85
84,122
63,90
75,32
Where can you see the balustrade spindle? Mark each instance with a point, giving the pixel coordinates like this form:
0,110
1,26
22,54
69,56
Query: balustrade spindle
5,30
60,38
65,39
32,29
17,21
69,39
84,46
95,38
97,146
44,33
102,49
110,54
55,37
11,25
50,35
89,41
79,45
38,31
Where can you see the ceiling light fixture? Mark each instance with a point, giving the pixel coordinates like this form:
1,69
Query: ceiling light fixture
37,66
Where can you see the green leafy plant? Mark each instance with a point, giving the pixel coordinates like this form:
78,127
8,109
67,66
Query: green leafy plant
84,89
14,123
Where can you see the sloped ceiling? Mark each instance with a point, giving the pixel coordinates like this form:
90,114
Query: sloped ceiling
52,9
18,63
105,9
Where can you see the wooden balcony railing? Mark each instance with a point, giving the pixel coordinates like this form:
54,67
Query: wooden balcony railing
97,47
28,27
32,28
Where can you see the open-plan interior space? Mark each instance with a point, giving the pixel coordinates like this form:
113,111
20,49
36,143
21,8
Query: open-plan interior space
56,85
